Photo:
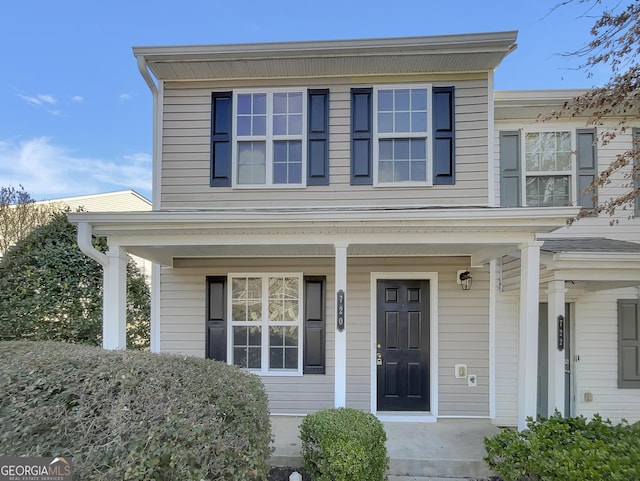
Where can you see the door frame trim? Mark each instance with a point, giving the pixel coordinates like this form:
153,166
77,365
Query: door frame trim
407,416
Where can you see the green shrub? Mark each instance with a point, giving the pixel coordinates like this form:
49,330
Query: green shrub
344,445
567,449
51,291
132,415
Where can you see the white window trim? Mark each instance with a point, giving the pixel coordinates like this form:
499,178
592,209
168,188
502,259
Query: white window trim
269,139
264,324
376,137
572,173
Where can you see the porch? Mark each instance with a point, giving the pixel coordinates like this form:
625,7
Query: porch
448,450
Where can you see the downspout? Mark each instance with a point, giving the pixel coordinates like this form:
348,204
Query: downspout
155,187
155,199
86,246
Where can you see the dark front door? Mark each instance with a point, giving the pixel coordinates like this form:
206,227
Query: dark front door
402,350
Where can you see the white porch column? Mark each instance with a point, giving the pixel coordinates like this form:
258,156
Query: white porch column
556,292
114,303
341,336
528,331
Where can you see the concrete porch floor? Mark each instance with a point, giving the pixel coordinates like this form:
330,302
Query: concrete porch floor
448,449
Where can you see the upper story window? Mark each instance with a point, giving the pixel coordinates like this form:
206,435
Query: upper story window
403,135
558,166
266,138
269,141
548,169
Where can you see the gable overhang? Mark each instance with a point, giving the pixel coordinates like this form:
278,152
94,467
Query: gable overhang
600,271
479,52
170,238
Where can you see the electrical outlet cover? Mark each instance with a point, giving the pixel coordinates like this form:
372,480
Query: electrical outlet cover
472,380
460,371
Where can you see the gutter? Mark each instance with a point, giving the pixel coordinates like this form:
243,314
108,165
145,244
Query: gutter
86,246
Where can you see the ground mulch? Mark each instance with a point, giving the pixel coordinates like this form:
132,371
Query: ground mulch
282,474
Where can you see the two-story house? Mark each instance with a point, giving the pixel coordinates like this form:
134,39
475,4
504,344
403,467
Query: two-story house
361,222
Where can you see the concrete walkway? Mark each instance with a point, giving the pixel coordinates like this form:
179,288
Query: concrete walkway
446,450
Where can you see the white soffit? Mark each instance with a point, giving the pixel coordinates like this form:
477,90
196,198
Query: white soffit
480,52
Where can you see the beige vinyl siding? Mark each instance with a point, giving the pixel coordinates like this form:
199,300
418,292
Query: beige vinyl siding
186,153
596,344
506,359
463,328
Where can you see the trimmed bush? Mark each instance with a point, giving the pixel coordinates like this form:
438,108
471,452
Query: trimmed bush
344,445
133,415
567,449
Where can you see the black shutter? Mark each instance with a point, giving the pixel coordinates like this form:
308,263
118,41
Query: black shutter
216,342
361,136
628,344
444,126
221,127
318,144
314,325
587,166
510,171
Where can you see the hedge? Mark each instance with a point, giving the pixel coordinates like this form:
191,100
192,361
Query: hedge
131,415
567,449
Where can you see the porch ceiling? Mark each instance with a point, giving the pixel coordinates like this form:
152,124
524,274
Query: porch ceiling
480,52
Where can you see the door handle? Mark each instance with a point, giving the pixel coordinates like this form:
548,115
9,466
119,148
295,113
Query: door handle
378,359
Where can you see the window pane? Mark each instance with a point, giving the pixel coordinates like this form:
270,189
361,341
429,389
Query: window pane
402,120
386,150
240,336
244,125
419,122
385,100
276,358
291,358
401,171
385,122
401,149
402,99
418,171
279,103
255,358
295,102
418,149
295,125
251,163
240,357
259,125
259,103
279,124
385,171
418,99
244,104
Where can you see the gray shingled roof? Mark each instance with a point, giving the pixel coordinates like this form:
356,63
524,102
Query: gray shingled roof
589,244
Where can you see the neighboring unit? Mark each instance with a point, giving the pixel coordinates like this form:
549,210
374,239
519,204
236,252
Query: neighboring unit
366,223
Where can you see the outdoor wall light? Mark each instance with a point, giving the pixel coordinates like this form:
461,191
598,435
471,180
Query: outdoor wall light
464,279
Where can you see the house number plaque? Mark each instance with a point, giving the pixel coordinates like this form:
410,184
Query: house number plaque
560,332
340,310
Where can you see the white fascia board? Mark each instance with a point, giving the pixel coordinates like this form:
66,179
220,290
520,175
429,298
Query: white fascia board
556,216
492,41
